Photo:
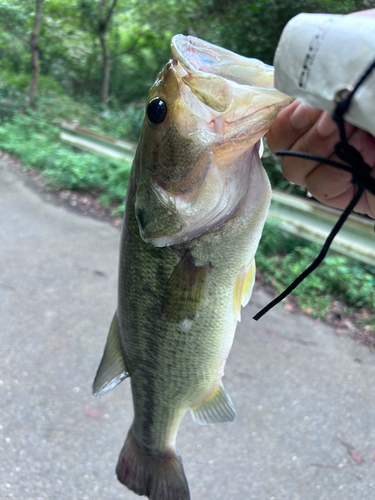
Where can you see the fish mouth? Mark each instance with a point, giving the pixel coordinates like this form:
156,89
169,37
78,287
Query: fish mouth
237,90
199,57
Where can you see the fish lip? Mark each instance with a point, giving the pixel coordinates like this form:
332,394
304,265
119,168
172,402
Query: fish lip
184,46
198,57
245,80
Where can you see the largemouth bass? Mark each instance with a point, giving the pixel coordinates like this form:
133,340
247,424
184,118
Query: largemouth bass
196,203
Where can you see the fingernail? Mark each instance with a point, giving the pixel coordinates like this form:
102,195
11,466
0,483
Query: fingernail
300,117
357,140
326,126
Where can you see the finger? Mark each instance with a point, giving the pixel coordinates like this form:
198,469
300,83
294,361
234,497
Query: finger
365,144
366,204
320,140
369,202
364,13
369,145
290,124
315,132
334,187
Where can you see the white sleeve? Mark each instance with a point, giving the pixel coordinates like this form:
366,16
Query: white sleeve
319,55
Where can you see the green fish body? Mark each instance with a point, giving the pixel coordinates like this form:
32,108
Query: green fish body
196,204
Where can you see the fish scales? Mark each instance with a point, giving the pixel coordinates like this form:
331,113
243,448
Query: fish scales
157,385
196,204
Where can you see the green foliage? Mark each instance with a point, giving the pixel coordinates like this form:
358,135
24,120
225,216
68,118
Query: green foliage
138,36
36,143
15,31
121,121
276,177
253,28
11,100
337,278
21,82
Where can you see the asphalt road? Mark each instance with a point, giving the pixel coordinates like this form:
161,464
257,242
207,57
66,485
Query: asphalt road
304,396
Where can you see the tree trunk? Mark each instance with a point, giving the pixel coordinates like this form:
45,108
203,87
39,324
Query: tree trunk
34,45
104,20
106,67
89,68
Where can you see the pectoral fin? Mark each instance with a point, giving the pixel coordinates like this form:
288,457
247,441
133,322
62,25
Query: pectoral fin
112,369
185,289
243,288
217,408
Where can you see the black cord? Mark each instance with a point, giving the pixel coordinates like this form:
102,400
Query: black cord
318,260
360,177
343,105
366,181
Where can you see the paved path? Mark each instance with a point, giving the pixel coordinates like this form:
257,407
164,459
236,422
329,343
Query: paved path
304,397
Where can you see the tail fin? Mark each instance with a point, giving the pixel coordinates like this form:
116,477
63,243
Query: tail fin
159,477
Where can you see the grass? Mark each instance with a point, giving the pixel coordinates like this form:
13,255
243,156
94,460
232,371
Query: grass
36,143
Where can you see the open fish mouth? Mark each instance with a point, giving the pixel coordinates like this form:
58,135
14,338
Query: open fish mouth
239,90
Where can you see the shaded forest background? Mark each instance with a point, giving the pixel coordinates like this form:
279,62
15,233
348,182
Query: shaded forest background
93,62
109,51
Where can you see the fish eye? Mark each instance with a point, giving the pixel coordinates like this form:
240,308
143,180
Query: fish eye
156,111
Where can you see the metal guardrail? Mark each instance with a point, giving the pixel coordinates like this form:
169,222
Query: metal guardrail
96,142
313,221
297,215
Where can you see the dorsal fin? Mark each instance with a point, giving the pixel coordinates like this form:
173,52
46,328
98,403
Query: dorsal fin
112,369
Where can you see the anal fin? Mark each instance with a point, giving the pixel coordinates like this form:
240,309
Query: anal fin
217,408
112,369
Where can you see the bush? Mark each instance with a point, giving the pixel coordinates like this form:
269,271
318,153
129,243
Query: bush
125,123
36,143
21,82
33,136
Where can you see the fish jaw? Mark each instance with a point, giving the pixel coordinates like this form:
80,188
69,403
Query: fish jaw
201,57
192,172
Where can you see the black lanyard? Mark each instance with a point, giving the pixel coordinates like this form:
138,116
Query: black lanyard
360,177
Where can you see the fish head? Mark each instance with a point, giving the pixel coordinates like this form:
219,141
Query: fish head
205,115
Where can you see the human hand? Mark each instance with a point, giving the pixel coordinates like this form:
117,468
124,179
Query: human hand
300,127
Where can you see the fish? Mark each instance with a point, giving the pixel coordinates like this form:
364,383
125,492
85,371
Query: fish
196,203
